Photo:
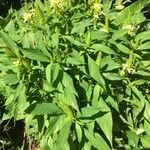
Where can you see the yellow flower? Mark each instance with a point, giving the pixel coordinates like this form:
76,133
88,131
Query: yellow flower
28,16
127,68
97,8
129,28
131,71
104,29
119,7
57,3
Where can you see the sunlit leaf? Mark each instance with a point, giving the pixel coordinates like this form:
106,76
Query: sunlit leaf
63,136
97,141
78,132
145,141
103,48
44,108
95,72
35,54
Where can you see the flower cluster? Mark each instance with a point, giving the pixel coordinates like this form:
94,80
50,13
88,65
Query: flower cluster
128,68
29,15
97,10
129,28
57,3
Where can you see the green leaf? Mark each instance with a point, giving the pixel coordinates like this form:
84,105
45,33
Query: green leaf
35,54
47,87
44,108
39,3
22,100
98,35
10,43
31,39
145,46
112,102
103,48
88,89
123,48
10,79
138,93
145,141
56,123
138,107
133,138
70,98
146,63
107,5
2,43
78,132
109,63
87,146
9,99
48,73
130,10
97,141
63,136
52,71
68,82
5,21
73,41
143,36
40,43
112,76
147,126
139,82
105,123
39,12
75,59
138,18
95,72
55,40
147,111
91,111
143,73
53,125
55,71
96,93
79,27
119,34
25,41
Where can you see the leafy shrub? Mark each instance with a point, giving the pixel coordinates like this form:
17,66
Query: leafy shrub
78,73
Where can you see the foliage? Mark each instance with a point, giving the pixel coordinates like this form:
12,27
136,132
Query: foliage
78,73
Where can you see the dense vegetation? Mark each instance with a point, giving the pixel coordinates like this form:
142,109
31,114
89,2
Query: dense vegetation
75,75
